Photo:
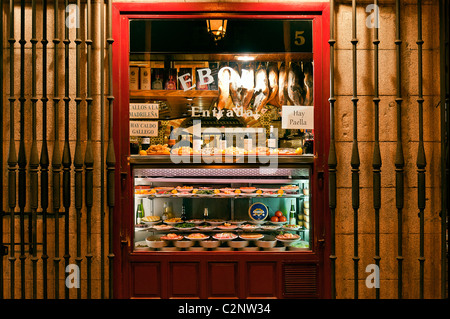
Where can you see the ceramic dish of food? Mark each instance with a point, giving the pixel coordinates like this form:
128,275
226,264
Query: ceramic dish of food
248,189
184,189
205,227
155,243
236,222
183,243
266,243
291,227
257,222
251,236
172,236
184,226
195,221
249,226
270,227
270,194
141,227
225,190
173,221
225,236
290,188
238,243
215,221
151,220
249,194
196,236
162,227
228,194
227,226
287,237
278,223
141,245
208,243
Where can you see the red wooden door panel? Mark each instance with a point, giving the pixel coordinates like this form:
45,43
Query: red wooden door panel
223,279
146,280
184,279
262,279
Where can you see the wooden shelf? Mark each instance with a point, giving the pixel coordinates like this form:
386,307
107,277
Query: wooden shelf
163,94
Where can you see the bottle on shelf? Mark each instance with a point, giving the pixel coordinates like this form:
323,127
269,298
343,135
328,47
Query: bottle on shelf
139,212
145,144
205,213
272,141
196,143
223,140
308,146
172,141
183,213
165,214
248,142
134,145
157,84
292,215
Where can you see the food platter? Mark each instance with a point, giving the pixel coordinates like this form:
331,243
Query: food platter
205,227
287,238
196,236
225,236
278,223
271,227
195,221
248,189
291,227
249,226
226,227
236,222
162,227
251,236
172,237
215,221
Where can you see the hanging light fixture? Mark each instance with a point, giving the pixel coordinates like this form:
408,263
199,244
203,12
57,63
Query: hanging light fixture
217,28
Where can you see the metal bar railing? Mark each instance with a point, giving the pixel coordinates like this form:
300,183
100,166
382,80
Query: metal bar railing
34,156
89,159
102,154
332,160
1,153
66,159
421,159
44,160
376,160
12,157
78,156
355,160
444,11
22,159
110,154
56,157
399,158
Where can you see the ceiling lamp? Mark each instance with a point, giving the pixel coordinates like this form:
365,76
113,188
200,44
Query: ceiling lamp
217,28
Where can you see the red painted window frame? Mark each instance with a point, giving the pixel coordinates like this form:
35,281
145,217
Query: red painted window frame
122,12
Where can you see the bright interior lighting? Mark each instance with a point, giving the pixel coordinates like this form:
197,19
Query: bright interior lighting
245,58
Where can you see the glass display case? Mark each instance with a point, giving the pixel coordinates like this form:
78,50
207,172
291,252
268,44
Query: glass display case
222,209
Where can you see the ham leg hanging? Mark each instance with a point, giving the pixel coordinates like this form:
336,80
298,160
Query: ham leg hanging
308,71
261,88
248,84
295,82
224,87
282,85
235,87
272,73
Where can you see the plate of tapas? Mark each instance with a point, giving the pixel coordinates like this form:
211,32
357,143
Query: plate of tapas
184,189
248,189
237,221
172,236
270,227
288,237
249,226
151,220
225,236
251,236
227,226
290,188
195,221
162,227
205,193
215,221
184,226
227,189
291,227
173,221
205,227
197,236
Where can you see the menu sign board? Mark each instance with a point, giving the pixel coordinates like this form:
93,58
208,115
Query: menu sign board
143,128
297,117
144,110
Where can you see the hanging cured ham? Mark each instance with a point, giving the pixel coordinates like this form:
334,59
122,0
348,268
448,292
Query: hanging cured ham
272,73
282,85
235,87
224,87
261,88
247,84
308,72
295,84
